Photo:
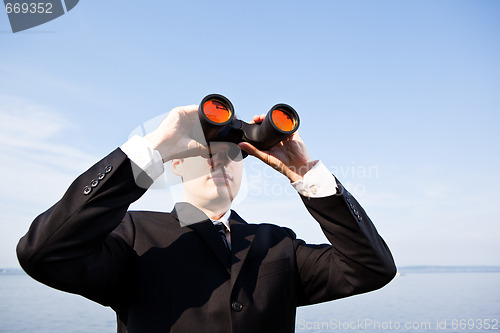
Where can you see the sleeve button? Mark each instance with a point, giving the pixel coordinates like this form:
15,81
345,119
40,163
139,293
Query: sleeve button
108,169
101,176
87,190
94,183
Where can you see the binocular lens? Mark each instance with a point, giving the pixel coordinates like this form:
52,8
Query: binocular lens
216,111
283,120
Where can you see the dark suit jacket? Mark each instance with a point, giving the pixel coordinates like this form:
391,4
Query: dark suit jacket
160,276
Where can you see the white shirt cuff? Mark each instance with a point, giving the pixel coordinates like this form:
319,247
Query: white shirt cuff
317,182
146,159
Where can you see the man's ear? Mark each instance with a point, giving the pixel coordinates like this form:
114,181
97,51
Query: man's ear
176,165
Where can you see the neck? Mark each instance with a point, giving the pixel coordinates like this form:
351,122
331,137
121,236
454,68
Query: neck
213,214
214,209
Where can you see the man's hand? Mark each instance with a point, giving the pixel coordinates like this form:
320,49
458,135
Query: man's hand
290,156
173,138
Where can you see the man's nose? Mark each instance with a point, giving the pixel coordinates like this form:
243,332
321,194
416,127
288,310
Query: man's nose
220,155
221,158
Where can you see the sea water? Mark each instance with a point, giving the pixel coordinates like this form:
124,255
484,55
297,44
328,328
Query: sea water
412,302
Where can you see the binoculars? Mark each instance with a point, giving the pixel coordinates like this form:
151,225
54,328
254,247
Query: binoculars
219,123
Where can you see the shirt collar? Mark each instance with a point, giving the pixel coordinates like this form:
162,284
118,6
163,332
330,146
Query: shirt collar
224,219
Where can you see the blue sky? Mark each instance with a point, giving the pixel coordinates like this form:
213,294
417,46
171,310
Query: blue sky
400,99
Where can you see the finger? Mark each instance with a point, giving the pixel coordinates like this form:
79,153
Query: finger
189,109
257,119
265,157
193,149
251,150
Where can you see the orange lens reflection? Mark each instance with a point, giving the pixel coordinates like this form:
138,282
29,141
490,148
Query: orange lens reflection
216,112
282,120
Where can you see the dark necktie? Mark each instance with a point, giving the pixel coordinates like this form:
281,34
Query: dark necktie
222,231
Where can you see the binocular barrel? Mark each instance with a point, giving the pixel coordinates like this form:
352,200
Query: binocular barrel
219,123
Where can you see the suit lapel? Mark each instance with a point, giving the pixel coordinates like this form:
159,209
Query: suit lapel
193,218
242,236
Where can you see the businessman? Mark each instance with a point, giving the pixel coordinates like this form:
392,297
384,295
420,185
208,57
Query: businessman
202,268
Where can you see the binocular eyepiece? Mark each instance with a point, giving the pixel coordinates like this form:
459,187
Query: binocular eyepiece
219,123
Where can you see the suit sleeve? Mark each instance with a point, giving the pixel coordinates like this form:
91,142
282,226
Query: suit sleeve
72,246
357,260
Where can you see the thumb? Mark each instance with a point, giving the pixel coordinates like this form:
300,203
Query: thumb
251,150
261,155
272,161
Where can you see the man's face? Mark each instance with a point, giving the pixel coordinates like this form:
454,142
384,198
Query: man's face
211,180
